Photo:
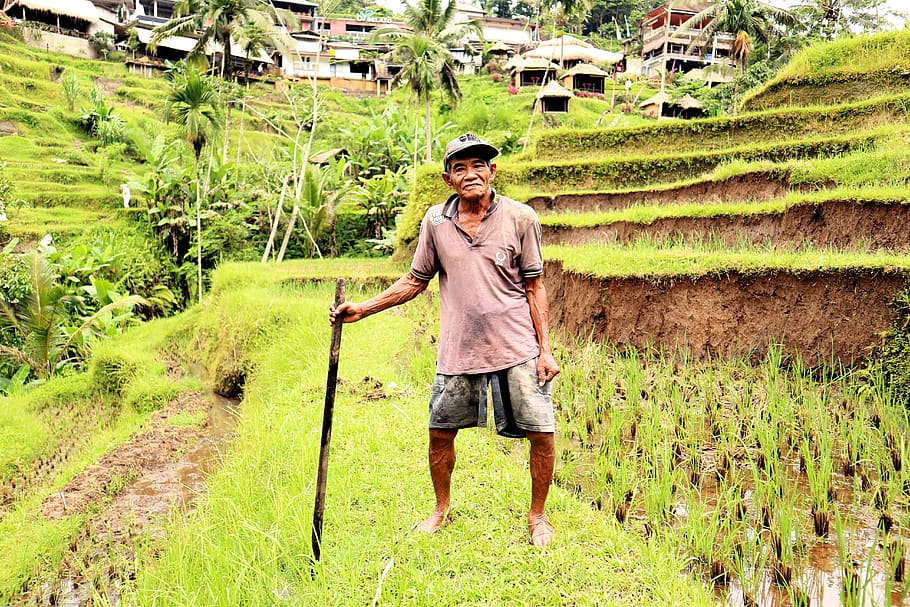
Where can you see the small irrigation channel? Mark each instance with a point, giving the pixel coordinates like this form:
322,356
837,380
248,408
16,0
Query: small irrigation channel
127,495
782,485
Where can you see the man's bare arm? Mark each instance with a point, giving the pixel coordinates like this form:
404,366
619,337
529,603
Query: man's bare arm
405,289
547,368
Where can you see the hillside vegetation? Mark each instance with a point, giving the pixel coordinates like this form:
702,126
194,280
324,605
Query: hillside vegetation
728,304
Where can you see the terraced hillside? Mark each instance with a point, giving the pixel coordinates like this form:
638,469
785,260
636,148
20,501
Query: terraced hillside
725,235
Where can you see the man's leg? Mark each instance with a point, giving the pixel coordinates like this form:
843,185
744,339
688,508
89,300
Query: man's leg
442,462
542,461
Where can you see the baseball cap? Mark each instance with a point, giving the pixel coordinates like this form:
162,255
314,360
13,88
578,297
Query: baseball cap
469,141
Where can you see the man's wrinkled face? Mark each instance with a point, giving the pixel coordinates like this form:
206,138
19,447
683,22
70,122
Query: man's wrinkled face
470,177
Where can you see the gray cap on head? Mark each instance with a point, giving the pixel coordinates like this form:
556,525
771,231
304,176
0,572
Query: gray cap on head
469,144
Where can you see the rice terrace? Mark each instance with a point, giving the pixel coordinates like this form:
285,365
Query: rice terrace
729,303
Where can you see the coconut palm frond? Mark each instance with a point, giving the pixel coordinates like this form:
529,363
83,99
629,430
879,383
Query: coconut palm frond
130,300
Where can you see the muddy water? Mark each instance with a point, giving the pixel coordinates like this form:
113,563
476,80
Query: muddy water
818,573
141,507
156,491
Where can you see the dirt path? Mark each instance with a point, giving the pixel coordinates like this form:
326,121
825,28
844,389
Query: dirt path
836,223
128,493
751,186
819,315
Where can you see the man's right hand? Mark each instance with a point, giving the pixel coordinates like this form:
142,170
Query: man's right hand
348,311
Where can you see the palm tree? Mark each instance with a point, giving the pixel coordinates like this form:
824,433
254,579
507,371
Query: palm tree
193,104
424,51
745,19
213,21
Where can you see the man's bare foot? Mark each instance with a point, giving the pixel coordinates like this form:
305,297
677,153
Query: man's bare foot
542,532
432,523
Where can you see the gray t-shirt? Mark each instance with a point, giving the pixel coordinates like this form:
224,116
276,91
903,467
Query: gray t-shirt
486,320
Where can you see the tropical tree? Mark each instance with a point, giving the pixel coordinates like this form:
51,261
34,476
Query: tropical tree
747,20
833,18
569,11
193,104
44,322
215,22
424,52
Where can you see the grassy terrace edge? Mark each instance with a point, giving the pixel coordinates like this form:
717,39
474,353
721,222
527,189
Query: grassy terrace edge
643,260
645,214
716,133
517,180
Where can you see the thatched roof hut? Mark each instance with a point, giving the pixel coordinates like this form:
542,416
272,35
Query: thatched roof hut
534,71
570,51
652,105
585,77
554,98
77,10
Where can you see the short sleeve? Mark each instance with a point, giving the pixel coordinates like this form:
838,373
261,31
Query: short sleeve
531,256
425,263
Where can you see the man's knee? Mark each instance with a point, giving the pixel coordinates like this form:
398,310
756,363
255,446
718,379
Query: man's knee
541,439
441,438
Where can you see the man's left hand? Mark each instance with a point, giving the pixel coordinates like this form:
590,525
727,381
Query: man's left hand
547,368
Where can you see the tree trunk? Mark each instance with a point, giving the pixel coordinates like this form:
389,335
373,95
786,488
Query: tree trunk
271,242
287,234
427,130
663,75
198,235
227,131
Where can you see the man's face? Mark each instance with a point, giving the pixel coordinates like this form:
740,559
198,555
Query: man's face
470,177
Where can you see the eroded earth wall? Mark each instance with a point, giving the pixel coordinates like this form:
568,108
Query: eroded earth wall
817,315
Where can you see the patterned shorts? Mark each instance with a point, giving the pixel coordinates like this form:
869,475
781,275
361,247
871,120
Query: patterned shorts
519,404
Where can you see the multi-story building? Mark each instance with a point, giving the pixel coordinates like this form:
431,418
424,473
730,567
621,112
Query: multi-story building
661,31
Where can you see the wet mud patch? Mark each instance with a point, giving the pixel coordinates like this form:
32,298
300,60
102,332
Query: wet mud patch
821,316
843,224
128,493
146,453
757,186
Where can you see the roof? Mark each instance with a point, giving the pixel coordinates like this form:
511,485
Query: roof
554,89
536,63
500,47
657,99
113,5
77,9
585,69
692,7
515,62
689,102
185,44
573,49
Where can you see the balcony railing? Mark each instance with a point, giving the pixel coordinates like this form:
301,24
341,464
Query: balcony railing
688,34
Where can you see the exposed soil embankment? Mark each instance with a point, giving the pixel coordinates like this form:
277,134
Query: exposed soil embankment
819,315
838,223
751,186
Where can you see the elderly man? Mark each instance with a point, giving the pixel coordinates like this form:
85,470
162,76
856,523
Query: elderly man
494,324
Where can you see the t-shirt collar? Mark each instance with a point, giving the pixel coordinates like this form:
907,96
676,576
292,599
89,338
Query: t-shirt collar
450,209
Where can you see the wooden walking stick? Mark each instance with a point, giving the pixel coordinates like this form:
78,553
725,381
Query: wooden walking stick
330,384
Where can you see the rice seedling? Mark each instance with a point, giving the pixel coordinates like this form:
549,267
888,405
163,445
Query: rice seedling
786,541
710,537
855,577
658,493
894,556
819,467
750,561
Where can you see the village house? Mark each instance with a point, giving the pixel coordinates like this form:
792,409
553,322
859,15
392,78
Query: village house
337,49
661,30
